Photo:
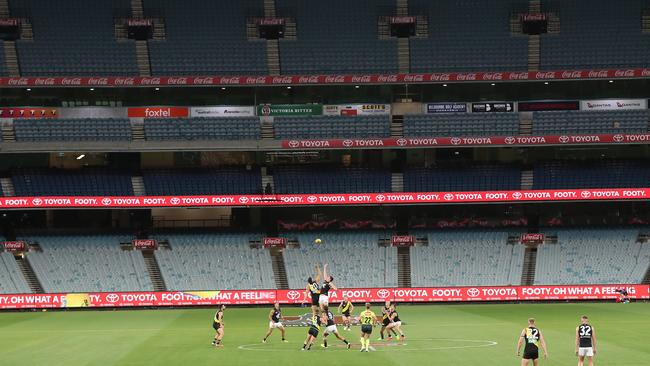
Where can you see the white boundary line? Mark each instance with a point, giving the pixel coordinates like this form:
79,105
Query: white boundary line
481,344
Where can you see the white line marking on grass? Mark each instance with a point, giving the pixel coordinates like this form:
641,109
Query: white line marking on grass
392,347
372,348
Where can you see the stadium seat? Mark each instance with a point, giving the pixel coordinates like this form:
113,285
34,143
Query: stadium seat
202,181
605,122
331,127
461,124
86,182
473,177
591,174
330,179
236,128
11,279
72,130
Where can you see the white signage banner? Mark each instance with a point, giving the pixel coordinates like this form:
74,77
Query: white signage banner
613,104
356,109
223,111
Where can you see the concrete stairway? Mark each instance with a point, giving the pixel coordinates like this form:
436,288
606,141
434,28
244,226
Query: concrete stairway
279,270
138,186
7,187
154,271
30,276
404,266
530,263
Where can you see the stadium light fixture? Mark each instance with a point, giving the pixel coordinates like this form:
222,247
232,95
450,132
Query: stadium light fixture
546,83
91,89
223,88
356,86
611,81
29,89
493,84
81,156
288,87
444,84
157,89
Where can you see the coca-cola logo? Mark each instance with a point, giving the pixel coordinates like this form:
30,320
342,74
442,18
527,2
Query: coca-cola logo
98,81
401,142
293,295
112,298
243,199
414,78
71,81
624,73
292,143
282,80
473,292
334,79
545,75
564,139
18,81
44,81
106,201
510,140
150,81
571,74
585,194
466,76
256,80
348,143
493,76
231,80
312,199
175,200
440,77
597,74
618,138
37,201
455,140
387,78
383,293
308,80
274,241
516,195
124,81
361,79
177,81
518,76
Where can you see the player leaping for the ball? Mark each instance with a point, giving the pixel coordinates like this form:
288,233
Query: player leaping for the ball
345,309
312,291
331,328
368,319
275,321
328,284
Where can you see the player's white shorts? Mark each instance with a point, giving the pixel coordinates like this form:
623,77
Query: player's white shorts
331,329
324,299
586,352
396,324
273,325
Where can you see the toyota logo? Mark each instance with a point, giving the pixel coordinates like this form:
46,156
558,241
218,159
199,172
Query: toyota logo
383,293
175,200
401,142
618,138
347,143
380,197
516,195
294,143
37,201
455,141
510,140
112,297
585,194
564,139
106,201
243,199
473,292
293,295
449,197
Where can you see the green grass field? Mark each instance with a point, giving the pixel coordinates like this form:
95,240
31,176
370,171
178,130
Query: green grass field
436,335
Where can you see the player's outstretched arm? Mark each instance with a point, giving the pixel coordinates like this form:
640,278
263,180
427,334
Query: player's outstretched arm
318,273
333,286
325,272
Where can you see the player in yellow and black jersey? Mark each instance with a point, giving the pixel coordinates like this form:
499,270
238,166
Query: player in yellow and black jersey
345,309
217,324
385,322
314,329
312,291
368,319
534,339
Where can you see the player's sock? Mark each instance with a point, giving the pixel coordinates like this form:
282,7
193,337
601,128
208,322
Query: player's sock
304,345
345,341
325,342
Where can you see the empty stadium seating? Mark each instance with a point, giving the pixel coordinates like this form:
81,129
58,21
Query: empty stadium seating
468,35
88,263
3,66
462,124
466,258
214,262
86,182
238,128
477,177
569,122
590,256
83,129
337,37
77,39
11,280
326,179
591,174
594,34
202,181
206,38
343,252
321,127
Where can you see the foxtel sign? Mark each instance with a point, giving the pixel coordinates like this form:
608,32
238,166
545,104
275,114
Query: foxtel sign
414,142
343,199
358,295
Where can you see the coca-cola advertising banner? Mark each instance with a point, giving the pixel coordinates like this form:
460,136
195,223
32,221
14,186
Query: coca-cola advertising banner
329,199
9,22
28,112
532,238
159,112
613,104
406,142
402,240
144,244
358,295
402,20
14,246
275,242
139,22
211,80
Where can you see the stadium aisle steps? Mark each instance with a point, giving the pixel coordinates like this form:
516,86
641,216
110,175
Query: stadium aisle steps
404,266
30,276
528,270
154,271
279,269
